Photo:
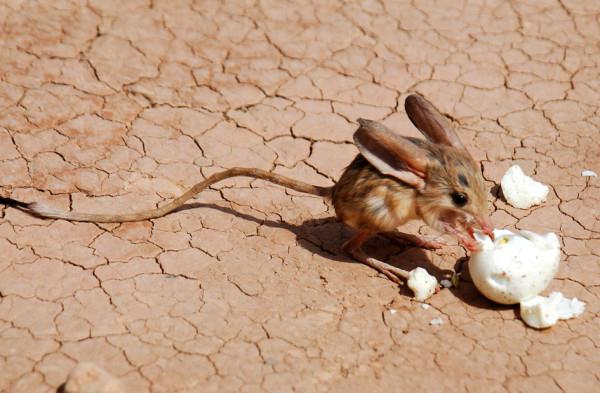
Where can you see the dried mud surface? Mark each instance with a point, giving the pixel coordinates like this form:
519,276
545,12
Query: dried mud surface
110,105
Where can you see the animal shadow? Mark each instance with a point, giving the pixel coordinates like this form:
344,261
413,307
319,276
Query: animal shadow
325,237
496,192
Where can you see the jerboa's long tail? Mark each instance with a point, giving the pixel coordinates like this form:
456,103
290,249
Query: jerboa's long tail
42,211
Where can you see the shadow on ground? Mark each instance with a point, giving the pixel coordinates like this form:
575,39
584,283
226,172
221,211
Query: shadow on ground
325,237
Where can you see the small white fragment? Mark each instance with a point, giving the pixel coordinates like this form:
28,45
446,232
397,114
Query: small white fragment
446,283
515,266
425,306
421,283
393,311
588,173
522,191
542,312
436,322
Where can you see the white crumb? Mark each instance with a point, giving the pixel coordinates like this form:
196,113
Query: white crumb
425,306
446,283
393,311
436,322
421,283
542,312
588,173
522,191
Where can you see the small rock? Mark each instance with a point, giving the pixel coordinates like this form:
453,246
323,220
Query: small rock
393,311
89,378
425,306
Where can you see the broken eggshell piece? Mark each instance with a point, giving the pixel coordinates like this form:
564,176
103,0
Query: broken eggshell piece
522,191
515,266
542,312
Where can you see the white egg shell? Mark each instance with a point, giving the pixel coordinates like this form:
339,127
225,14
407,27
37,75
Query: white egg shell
516,266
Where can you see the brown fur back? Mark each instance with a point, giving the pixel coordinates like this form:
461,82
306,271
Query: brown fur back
366,200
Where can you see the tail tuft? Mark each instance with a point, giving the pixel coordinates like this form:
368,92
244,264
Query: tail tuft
14,203
45,211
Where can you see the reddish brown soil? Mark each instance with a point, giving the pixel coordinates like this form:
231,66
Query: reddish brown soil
118,105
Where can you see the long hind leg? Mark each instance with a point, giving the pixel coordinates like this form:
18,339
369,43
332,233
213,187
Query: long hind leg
353,247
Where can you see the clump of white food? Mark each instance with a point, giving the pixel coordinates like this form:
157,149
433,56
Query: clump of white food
522,191
588,173
421,283
542,312
516,266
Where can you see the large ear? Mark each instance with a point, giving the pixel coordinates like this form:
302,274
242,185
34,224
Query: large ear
435,126
391,153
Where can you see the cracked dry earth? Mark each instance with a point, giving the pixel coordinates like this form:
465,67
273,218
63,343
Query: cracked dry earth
116,105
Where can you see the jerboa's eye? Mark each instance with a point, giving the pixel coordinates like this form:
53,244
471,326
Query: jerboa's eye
459,198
